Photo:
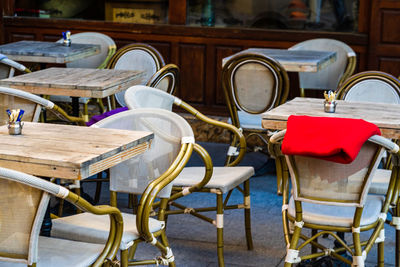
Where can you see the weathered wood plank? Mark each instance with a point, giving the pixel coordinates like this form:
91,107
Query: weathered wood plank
295,60
47,52
69,152
385,116
75,82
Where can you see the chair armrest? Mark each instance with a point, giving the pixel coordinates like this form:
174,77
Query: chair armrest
237,132
116,221
207,176
59,112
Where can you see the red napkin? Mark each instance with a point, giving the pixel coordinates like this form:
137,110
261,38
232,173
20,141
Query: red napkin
333,139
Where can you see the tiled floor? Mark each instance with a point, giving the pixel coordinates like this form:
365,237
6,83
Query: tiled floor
194,241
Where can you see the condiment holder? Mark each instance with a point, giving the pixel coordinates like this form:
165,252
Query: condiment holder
67,38
14,123
330,102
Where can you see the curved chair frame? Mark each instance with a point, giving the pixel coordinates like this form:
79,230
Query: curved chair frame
350,66
170,71
368,75
292,238
116,222
12,65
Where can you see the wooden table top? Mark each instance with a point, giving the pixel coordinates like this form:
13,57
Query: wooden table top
295,60
385,116
75,82
69,152
47,52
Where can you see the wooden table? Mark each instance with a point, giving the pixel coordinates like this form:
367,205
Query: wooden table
68,152
295,60
385,116
75,82
47,52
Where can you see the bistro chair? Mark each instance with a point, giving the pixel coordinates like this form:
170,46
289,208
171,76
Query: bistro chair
8,67
149,174
166,79
24,200
140,57
98,61
253,84
11,98
216,180
329,197
333,75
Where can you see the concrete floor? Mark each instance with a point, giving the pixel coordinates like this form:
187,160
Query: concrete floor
194,241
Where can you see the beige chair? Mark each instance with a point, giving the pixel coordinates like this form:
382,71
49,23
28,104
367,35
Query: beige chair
138,56
24,199
166,79
8,67
254,83
149,175
331,77
98,61
329,197
217,180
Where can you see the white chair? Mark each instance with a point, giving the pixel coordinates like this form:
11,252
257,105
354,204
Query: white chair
149,174
216,180
334,74
24,199
141,57
8,67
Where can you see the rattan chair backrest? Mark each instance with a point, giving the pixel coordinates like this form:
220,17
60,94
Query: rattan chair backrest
170,131
335,73
140,96
371,86
140,57
254,82
166,79
11,98
22,211
107,49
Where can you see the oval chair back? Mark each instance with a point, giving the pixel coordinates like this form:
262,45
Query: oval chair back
335,73
140,57
371,86
253,83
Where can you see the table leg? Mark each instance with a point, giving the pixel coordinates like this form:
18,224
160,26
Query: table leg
75,106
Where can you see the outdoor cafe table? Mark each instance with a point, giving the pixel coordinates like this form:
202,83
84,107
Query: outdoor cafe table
385,116
294,60
68,152
75,82
47,52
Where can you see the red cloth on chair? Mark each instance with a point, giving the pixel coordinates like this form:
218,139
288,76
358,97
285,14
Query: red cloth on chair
333,139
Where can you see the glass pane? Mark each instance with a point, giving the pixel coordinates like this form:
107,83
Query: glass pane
319,15
135,11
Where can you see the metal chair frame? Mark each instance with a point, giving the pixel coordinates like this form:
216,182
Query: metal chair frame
170,72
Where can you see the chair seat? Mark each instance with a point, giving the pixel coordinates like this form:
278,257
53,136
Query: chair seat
338,216
92,228
249,121
223,178
61,252
380,182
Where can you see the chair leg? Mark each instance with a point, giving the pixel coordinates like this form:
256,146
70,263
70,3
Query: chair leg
247,215
98,188
313,248
124,258
381,254
279,170
220,229
293,245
